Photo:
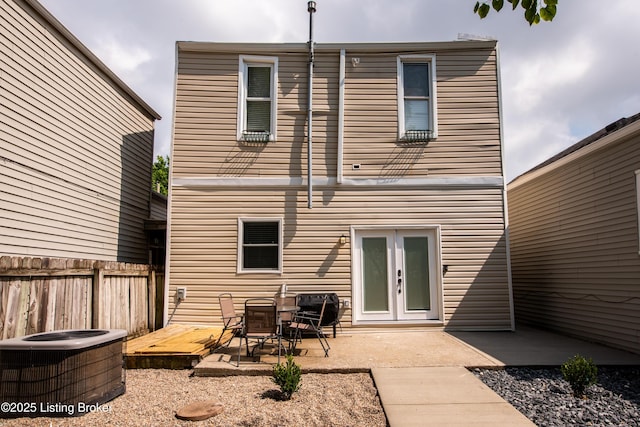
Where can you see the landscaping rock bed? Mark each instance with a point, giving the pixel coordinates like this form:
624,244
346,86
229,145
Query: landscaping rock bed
546,399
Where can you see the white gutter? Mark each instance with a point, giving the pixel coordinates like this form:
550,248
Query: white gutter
341,82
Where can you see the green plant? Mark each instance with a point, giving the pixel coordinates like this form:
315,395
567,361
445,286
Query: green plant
288,377
580,373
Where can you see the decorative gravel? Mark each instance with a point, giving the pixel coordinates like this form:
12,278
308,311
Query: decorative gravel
544,397
154,395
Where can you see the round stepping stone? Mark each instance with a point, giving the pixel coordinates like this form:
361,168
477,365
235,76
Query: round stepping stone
199,411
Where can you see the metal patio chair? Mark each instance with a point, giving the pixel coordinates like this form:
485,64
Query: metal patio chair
231,320
260,324
306,322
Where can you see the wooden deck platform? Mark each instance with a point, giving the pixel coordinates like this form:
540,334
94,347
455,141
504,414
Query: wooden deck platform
172,347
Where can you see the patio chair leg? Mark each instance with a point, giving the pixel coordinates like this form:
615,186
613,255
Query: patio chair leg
324,343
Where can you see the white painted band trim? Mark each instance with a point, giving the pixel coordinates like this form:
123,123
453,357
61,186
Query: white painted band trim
476,181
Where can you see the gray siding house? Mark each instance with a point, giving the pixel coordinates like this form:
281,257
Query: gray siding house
76,146
574,239
393,198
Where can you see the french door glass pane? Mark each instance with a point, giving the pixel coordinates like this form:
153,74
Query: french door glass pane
416,260
374,274
258,116
416,114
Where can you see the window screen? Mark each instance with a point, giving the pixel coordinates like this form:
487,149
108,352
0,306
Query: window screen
260,245
258,99
416,96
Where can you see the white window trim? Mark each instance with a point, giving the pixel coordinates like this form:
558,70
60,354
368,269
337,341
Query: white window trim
240,254
433,104
244,62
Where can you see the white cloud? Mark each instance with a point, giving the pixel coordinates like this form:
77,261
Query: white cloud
535,78
122,58
560,80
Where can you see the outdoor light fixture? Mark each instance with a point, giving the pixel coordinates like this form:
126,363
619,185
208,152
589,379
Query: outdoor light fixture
343,239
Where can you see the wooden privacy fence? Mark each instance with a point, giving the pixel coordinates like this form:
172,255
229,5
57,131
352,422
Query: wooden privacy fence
46,294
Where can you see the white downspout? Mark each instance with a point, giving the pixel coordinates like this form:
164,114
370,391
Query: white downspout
341,83
311,8
505,205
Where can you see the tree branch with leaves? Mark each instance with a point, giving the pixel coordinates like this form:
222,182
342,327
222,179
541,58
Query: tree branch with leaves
533,11
160,175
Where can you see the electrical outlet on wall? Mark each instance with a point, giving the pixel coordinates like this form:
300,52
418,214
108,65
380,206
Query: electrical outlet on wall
181,293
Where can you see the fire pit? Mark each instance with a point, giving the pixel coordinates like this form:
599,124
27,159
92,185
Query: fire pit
60,373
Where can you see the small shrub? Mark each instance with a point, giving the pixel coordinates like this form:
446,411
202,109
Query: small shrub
580,373
287,377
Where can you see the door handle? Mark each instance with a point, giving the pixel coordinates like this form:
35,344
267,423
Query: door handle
399,281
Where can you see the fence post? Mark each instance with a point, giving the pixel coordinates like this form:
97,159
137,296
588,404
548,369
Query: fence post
151,298
98,298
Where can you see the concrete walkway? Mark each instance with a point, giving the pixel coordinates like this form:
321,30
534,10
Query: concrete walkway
447,396
421,375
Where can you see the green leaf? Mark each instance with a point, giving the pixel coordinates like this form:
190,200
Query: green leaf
548,13
551,2
497,5
530,16
475,9
483,11
527,4
514,3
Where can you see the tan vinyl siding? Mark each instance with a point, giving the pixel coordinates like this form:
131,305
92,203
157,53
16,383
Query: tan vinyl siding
206,110
204,245
574,240
203,223
76,151
468,118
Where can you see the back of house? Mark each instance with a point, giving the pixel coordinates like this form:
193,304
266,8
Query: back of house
393,198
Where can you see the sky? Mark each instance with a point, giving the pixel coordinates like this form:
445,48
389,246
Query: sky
561,81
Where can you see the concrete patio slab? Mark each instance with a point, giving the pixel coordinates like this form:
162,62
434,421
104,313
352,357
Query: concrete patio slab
528,346
421,375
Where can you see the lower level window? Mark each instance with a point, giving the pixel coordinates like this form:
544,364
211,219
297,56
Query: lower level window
260,248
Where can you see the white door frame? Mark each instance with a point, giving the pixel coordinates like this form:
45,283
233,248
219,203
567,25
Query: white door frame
397,314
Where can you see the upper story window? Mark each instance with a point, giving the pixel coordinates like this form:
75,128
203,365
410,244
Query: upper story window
417,107
260,245
257,101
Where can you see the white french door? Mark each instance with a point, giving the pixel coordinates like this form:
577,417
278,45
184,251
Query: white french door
396,275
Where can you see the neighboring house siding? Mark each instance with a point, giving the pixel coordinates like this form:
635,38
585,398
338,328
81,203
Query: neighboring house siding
574,243
76,149
208,193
